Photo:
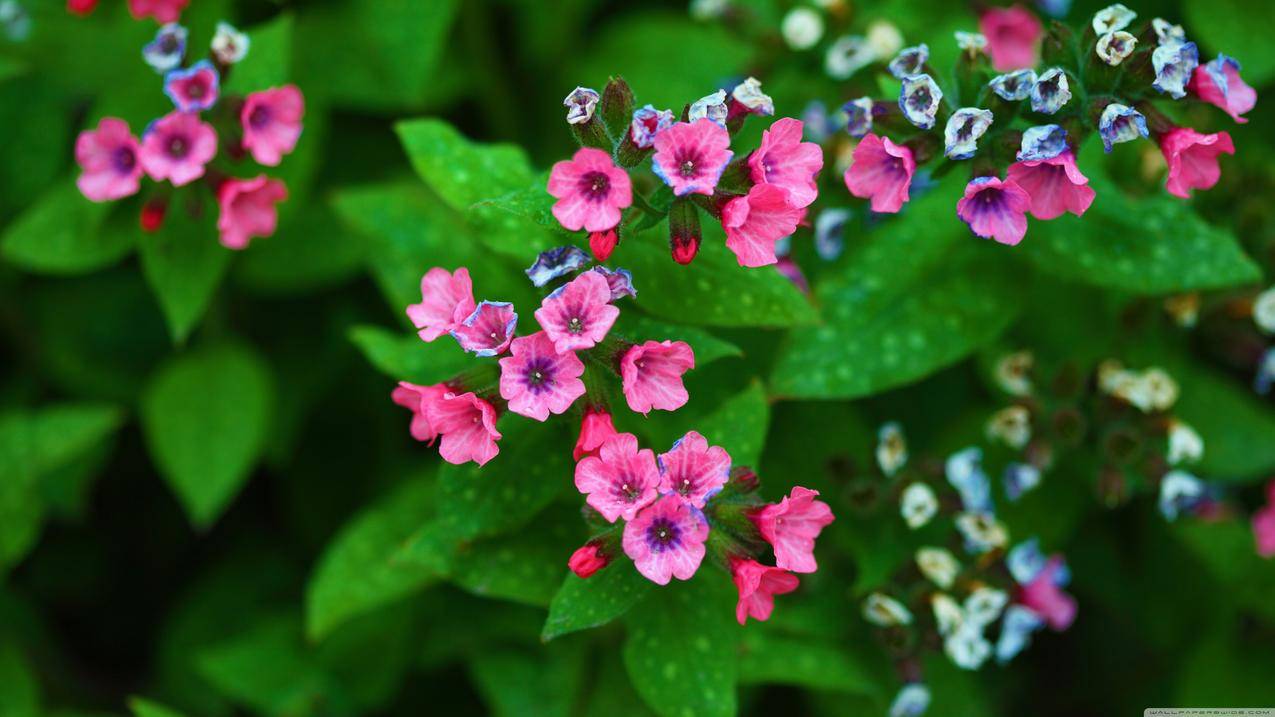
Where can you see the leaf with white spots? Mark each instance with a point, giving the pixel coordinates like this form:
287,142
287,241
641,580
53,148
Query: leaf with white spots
739,425
584,603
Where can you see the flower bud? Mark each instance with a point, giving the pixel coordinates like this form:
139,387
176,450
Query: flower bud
617,107
595,428
588,559
684,231
152,217
743,479
603,243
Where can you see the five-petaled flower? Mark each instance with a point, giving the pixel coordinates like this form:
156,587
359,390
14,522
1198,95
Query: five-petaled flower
666,540
694,470
1013,37
691,156
193,89
1054,184
651,374
271,122
467,425
109,162
578,314
882,171
591,191
754,222
176,147
447,299
621,479
488,330
791,526
248,209
995,209
538,380
1192,159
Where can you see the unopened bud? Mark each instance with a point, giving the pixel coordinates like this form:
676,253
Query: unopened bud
617,107
684,231
743,479
588,559
603,243
152,216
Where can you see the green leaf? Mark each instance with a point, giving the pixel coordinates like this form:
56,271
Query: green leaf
739,425
356,573
707,347
310,251
584,603
458,170
184,263
714,290
268,62
522,567
1146,245
1238,28
19,691
205,416
63,233
523,683
142,707
767,658
1236,426
381,55
1228,550
519,224
916,297
408,358
681,648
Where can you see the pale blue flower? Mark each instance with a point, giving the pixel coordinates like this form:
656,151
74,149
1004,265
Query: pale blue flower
964,128
859,116
1013,86
911,701
1025,561
919,99
965,472
1174,64
1120,123
580,105
1016,632
1050,92
909,61
1019,478
556,262
1179,492
165,52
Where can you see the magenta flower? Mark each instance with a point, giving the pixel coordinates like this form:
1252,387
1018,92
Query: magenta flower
467,425
415,398
758,585
691,156
694,470
1055,185
1013,35
1218,83
578,314
791,526
587,560
488,330
271,122
447,299
785,161
591,191
753,223
995,209
651,375
666,540
603,243
536,380
882,171
108,159
1192,159
164,11
193,89
1264,525
1045,597
621,479
176,147
248,209
595,428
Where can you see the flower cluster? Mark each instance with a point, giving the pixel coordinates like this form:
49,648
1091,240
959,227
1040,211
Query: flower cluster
541,373
660,510
1021,130
182,147
759,198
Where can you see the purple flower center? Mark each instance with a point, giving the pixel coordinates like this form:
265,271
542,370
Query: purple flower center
595,185
663,535
124,159
539,375
919,100
1048,88
627,488
575,325
259,117
687,164
177,146
168,44
196,88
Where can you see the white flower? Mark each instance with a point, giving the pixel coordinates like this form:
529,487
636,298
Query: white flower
984,606
884,39
892,448
1184,309
1166,32
228,44
711,106
918,504
982,532
912,701
1185,444
1179,491
1264,311
748,93
1013,373
971,42
882,610
938,565
580,104
847,55
1011,425
708,9
947,613
1148,391
802,28
1160,388
964,128
1115,47
1112,18
967,648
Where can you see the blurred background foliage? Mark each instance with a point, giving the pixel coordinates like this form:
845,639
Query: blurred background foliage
208,504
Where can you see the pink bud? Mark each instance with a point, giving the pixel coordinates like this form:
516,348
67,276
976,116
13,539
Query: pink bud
588,560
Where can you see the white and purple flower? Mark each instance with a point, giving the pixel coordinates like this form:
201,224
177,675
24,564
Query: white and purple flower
964,128
909,61
1042,142
1120,123
1014,86
556,262
580,104
859,115
1050,92
919,99
165,52
1174,64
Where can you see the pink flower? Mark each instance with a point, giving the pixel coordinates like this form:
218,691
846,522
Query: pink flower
1054,185
591,191
1046,598
488,330
271,122
758,585
467,425
651,375
164,11
691,156
694,470
177,147
108,158
666,540
1192,159
587,560
621,479
995,209
577,315
595,428
753,223
1219,83
1264,525
791,526
881,171
447,299
787,162
1012,37
416,398
193,89
536,380
248,209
